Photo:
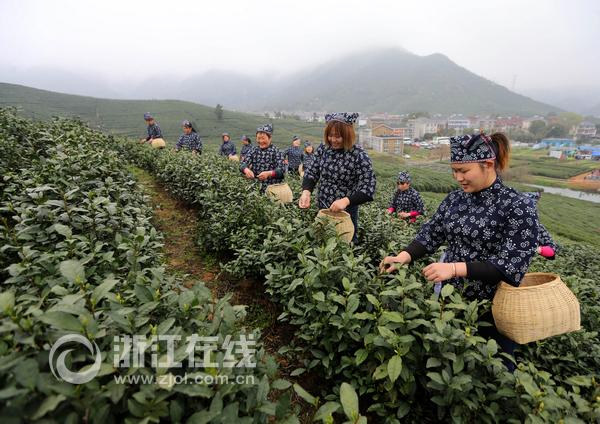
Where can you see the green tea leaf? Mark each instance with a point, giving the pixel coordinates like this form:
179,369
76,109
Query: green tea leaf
394,367
349,400
103,289
62,321
304,394
72,270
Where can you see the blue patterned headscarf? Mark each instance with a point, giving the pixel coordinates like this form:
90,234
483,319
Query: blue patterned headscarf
344,117
147,116
294,138
404,177
266,128
471,148
534,195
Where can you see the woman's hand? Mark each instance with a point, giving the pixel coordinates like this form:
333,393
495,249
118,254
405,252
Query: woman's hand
339,205
264,175
392,263
438,272
304,201
248,173
403,214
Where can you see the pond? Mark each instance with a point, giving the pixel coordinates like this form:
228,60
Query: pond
567,192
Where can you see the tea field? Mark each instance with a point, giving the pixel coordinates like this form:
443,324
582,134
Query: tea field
80,255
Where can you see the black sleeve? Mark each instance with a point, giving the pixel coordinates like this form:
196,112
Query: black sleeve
358,198
484,271
244,164
416,250
308,184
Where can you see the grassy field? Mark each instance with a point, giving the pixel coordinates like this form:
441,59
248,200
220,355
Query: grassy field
435,177
125,117
538,163
571,219
550,182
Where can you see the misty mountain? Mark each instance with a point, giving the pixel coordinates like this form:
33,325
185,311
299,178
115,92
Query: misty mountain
575,99
594,111
397,81
384,80
59,80
234,90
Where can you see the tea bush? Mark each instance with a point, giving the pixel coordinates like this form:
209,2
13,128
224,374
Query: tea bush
80,255
406,352
409,355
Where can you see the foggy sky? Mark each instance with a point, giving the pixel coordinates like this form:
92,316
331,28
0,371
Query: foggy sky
547,44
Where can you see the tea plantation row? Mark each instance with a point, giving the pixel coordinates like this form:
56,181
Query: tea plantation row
409,355
80,255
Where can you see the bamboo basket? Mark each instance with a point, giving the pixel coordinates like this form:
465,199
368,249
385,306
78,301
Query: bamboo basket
158,143
541,307
234,158
342,220
281,193
301,170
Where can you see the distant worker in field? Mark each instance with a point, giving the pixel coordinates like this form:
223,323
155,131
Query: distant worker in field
342,169
246,147
227,148
264,161
490,229
308,156
189,140
153,128
407,201
547,247
293,156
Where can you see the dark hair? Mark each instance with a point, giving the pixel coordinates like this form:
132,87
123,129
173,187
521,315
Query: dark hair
501,147
189,124
343,130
